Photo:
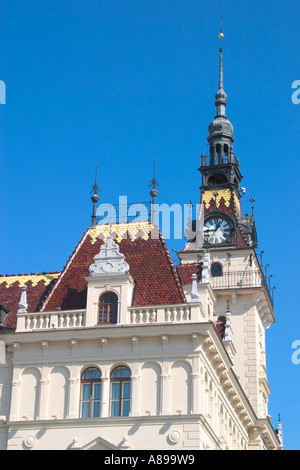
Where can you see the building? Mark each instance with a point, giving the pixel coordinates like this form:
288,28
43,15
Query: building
123,349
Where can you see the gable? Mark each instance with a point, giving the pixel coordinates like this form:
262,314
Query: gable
99,444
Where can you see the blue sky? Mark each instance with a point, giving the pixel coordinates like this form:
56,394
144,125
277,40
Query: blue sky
118,83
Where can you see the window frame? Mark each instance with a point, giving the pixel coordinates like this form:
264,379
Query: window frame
91,400
111,314
122,381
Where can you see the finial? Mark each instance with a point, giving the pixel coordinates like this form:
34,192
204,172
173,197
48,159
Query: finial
22,307
279,433
228,330
215,195
252,200
221,35
194,291
95,198
154,183
153,194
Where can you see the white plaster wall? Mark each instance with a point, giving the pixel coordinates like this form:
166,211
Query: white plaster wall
5,389
180,388
168,433
58,393
30,392
150,392
172,375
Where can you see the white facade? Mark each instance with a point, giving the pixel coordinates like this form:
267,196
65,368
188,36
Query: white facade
189,389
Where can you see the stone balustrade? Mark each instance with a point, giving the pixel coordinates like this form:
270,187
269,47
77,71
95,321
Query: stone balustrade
136,315
50,320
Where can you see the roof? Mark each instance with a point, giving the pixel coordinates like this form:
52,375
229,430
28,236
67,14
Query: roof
226,201
38,287
151,266
157,280
185,272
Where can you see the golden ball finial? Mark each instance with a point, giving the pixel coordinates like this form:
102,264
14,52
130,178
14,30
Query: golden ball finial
221,35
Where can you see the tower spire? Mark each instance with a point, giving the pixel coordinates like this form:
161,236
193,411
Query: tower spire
95,198
221,137
221,35
221,95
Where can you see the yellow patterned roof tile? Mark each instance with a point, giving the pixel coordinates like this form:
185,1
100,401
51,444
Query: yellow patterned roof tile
24,278
222,193
237,205
129,230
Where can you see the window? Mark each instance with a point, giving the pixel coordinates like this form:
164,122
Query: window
108,308
90,393
120,392
216,270
217,178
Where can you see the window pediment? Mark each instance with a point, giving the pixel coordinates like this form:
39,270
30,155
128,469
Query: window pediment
109,260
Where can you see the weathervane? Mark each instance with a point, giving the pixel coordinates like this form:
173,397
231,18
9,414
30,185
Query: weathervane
153,194
95,198
252,200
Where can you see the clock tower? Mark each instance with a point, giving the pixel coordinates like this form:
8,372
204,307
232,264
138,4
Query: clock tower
222,257
221,190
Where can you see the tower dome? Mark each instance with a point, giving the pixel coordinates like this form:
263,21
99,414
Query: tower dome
221,126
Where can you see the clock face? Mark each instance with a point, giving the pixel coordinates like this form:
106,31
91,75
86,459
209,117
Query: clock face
216,230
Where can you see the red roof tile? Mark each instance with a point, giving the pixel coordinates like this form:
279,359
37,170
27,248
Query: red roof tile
185,272
156,280
38,287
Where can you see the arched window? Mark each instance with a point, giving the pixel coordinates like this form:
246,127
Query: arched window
217,178
108,308
120,392
90,393
216,270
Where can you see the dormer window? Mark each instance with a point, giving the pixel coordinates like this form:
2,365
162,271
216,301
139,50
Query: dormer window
108,308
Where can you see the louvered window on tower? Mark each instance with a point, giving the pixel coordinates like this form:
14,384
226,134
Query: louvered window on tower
108,308
216,270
